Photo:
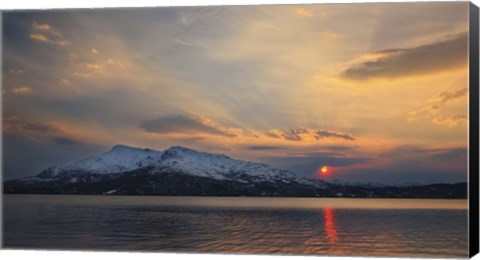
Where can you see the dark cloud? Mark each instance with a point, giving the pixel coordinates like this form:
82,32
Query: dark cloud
412,150
264,147
338,148
299,133
47,131
326,134
273,135
404,149
181,124
439,56
16,124
293,134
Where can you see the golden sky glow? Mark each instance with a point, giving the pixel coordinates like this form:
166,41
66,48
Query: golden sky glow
295,86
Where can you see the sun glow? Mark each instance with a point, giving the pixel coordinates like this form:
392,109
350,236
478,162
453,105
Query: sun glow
324,170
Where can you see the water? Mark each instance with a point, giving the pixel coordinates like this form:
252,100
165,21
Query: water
366,227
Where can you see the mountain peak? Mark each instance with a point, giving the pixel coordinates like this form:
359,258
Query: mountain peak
177,151
119,158
182,152
122,147
181,148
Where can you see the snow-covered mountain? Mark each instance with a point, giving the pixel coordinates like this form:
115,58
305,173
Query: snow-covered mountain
177,159
183,171
120,158
219,167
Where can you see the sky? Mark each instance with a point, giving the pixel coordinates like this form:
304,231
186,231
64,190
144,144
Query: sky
376,92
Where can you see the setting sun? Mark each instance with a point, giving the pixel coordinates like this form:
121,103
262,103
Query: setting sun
324,170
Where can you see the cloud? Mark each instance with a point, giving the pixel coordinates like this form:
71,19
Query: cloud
301,134
21,90
86,69
326,134
451,121
304,12
433,110
16,72
447,96
184,125
43,38
408,150
16,125
338,148
264,147
33,129
291,135
45,28
425,59
47,34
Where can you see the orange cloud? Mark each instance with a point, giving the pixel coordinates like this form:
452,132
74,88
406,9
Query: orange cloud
433,110
304,12
451,121
447,96
21,90
46,34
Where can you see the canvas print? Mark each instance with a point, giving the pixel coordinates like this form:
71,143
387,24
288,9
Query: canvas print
315,129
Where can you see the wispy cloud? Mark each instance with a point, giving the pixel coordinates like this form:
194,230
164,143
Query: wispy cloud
52,130
17,125
304,12
47,34
301,134
434,110
263,147
20,90
451,121
16,72
450,95
439,56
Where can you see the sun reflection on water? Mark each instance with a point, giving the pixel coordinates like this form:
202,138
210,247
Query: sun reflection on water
330,227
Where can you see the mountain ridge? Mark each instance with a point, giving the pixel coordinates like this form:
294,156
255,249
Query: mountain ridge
125,170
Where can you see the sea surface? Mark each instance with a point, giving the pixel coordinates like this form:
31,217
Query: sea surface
246,225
